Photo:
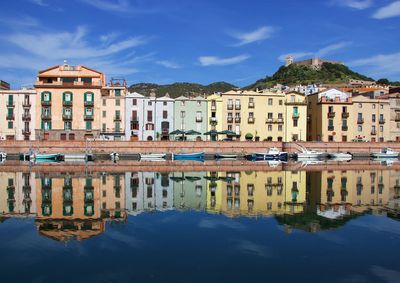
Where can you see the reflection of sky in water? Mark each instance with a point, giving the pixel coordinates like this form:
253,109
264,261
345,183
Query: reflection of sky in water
198,247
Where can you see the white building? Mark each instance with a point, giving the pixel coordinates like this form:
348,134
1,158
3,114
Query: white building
148,118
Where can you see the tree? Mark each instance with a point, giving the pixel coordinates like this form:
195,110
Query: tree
383,82
249,136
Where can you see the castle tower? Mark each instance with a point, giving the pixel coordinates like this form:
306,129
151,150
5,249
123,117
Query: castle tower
289,60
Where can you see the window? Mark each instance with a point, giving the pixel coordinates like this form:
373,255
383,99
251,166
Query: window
280,127
344,109
104,114
88,111
373,117
88,125
165,114
10,124
117,102
67,96
295,122
89,96
373,106
46,96
359,128
183,114
104,102
149,103
359,105
150,116
381,106
117,126
104,127
198,116
269,101
67,126
280,102
269,115
269,128
134,101
117,92
198,103
164,103
118,114
149,127
292,98
381,128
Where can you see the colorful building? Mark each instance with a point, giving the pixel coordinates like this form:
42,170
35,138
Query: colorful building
17,114
68,103
337,116
190,114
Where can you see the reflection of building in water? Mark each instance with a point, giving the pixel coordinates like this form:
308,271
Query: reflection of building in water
147,191
112,196
214,192
258,193
17,197
394,190
189,190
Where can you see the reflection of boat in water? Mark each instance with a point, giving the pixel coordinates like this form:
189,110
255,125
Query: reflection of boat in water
310,154
272,154
188,156
42,157
153,157
340,156
385,153
225,156
3,157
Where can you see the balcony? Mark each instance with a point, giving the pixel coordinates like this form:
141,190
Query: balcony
229,119
237,107
331,128
230,107
213,107
10,103
88,103
278,121
251,105
382,121
345,114
250,120
237,119
67,117
46,103
199,119
296,102
88,117
213,120
10,116
26,132
397,118
373,132
67,103
117,118
331,114
269,121
360,121
26,117
26,104
46,116
296,115
345,128
56,83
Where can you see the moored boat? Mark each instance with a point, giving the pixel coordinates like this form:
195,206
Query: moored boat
340,156
184,156
272,154
152,156
310,154
3,156
225,156
385,153
47,157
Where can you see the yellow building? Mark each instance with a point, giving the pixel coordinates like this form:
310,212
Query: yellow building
337,116
214,108
112,118
68,103
17,114
261,116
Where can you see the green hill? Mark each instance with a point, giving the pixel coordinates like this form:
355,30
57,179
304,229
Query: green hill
297,74
178,89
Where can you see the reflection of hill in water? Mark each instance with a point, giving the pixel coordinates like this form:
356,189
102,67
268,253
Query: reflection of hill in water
75,206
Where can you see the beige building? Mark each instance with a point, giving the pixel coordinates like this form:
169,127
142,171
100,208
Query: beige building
17,114
394,123
112,108
261,116
68,103
337,116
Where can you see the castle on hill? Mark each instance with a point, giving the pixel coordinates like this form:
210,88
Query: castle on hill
315,63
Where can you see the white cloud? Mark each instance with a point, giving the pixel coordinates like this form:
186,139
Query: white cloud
387,275
259,34
354,4
20,21
380,65
217,61
389,11
169,64
319,53
113,6
40,2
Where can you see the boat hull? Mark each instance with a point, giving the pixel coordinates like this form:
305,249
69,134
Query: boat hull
283,156
383,155
188,156
51,157
155,156
225,156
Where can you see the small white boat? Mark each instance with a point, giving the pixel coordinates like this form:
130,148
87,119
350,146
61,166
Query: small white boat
385,153
340,156
272,154
152,156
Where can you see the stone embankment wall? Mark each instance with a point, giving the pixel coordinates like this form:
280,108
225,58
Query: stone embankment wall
127,147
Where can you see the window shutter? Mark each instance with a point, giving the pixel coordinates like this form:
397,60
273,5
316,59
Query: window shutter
49,96
42,125
84,96
63,96
42,96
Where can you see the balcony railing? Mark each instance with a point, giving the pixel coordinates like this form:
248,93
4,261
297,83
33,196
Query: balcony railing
26,116
237,119
67,116
397,118
46,116
213,107
199,119
373,132
251,104
278,120
89,103
345,114
237,107
67,103
46,102
269,121
230,107
331,128
26,104
88,117
331,114
10,116
229,120
382,121
26,132
10,103
345,128
250,120
213,120
117,118
296,115
360,121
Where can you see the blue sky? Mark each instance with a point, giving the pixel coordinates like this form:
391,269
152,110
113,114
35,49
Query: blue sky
161,41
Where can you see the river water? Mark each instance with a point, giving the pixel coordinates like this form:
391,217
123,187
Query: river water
238,226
